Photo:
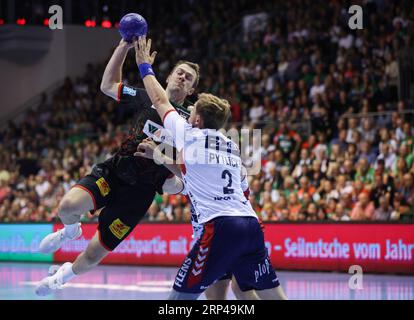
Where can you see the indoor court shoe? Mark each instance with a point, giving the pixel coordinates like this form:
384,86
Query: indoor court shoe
54,282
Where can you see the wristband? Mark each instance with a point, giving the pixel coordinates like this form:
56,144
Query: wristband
145,69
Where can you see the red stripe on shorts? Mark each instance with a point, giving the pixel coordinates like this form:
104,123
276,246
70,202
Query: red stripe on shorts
201,259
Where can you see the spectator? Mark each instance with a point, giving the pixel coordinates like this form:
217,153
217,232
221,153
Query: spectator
352,129
364,172
316,174
383,120
305,188
388,156
305,160
311,212
280,210
367,152
383,212
294,207
257,111
364,208
286,140
318,88
341,214
267,212
406,196
5,191
381,189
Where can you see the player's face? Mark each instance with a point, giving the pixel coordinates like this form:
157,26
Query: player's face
182,79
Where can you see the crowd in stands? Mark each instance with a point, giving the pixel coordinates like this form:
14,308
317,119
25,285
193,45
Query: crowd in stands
307,69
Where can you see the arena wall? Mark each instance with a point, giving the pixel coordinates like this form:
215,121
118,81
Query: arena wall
40,58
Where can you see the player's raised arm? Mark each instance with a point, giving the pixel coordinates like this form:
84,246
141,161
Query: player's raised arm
112,76
155,91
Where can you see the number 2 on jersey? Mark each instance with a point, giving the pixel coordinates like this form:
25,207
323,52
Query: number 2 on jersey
227,189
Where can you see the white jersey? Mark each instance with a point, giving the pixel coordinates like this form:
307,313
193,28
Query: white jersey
211,170
197,227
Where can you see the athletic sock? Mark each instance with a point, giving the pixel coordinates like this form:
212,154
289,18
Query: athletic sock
71,230
67,273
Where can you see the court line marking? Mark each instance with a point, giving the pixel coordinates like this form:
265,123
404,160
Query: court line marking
108,286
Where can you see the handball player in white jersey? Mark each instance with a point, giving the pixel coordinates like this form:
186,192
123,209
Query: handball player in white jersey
232,239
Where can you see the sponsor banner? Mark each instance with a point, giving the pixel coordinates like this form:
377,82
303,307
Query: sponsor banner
20,242
375,247
334,247
147,244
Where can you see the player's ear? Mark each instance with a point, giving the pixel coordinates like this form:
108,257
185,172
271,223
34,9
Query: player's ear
198,121
190,92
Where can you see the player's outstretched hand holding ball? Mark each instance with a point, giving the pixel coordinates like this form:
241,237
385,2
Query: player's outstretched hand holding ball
125,44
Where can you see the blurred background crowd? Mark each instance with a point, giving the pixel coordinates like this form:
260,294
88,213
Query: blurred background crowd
337,139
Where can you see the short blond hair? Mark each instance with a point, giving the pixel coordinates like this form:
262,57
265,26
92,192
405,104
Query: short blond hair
214,111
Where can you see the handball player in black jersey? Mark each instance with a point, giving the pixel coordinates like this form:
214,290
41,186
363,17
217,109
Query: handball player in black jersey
123,187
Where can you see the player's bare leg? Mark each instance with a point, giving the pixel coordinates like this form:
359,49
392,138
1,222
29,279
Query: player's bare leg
91,257
272,294
247,295
75,203
218,290
58,276
175,295
242,295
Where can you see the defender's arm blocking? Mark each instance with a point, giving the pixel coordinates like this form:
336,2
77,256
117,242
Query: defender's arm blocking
155,91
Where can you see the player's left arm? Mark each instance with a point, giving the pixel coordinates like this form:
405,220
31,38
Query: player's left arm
155,91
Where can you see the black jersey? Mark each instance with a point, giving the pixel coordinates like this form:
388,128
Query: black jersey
124,164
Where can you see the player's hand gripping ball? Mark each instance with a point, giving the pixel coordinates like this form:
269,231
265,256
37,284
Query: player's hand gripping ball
132,25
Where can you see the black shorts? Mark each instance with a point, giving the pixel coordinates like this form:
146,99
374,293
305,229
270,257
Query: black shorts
123,205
